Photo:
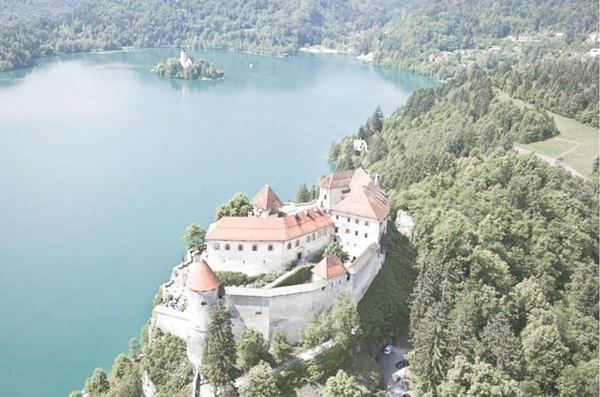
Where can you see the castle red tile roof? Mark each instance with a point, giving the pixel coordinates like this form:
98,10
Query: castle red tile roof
266,199
339,179
267,229
365,198
202,278
329,267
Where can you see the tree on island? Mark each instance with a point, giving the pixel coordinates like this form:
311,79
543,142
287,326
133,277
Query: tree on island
219,355
199,70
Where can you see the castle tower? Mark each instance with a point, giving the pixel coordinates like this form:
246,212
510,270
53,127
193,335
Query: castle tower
203,290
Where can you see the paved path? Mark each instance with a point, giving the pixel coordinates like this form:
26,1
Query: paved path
553,162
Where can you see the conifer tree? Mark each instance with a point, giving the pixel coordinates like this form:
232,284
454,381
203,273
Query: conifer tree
219,354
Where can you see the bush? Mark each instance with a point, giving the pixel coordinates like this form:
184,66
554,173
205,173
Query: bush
300,276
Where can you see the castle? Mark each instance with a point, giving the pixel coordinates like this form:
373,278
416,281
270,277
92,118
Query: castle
275,237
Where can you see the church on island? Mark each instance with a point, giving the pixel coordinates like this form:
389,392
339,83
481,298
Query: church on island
279,238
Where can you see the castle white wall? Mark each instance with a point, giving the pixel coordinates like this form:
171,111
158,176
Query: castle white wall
253,258
170,321
330,197
356,233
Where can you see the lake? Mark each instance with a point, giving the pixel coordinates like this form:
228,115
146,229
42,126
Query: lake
103,165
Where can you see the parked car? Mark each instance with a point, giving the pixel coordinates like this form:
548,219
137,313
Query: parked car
388,350
402,363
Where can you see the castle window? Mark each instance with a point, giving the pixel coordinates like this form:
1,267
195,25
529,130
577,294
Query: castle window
203,304
337,217
254,247
240,247
337,229
270,247
319,234
217,246
308,239
324,197
297,243
356,221
258,313
356,233
348,219
366,223
347,230
366,235
289,245
227,247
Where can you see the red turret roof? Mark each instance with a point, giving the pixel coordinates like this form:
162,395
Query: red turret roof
266,199
202,278
329,267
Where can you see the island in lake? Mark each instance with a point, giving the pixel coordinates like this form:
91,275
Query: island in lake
188,68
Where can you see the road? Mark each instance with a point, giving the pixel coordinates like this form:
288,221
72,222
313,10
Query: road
388,367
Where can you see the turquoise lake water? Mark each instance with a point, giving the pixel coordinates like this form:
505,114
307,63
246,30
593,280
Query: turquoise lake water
103,165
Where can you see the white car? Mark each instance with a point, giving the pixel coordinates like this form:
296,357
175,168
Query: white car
388,350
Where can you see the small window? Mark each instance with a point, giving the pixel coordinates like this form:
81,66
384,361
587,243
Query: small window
258,313
347,230
324,197
337,229
319,234
227,247
308,239
366,223
297,243
254,247
356,233
348,219
313,237
337,217
240,247
366,235
270,247
217,246
356,221
289,245
203,304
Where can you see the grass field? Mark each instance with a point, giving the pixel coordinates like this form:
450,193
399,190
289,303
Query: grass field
577,145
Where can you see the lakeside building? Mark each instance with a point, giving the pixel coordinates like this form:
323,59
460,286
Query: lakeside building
277,237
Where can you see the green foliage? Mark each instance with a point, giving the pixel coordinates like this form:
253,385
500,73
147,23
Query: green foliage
199,70
166,361
335,324
300,276
251,349
385,304
239,278
260,382
134,347
477,379
341,385
121,366
306,194
281,349
75,393
580,380
194,238
219,354
97,384
334,248
238,205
